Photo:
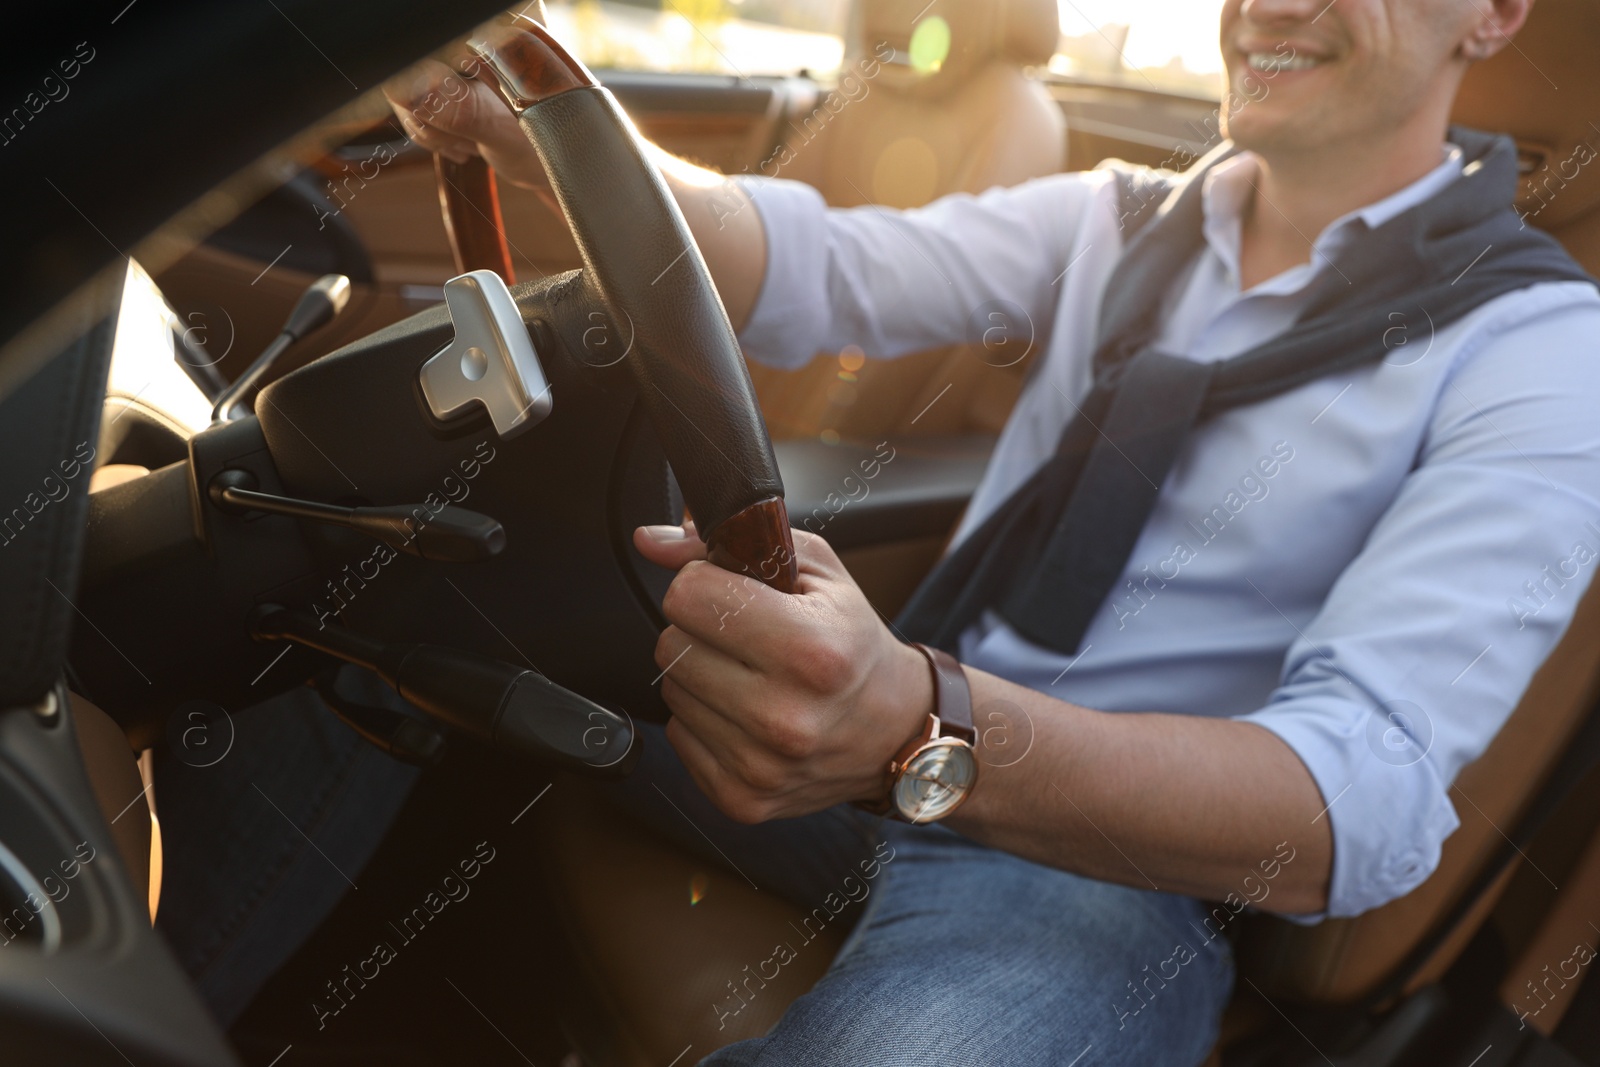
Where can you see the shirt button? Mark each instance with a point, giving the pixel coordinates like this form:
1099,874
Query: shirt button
1410,868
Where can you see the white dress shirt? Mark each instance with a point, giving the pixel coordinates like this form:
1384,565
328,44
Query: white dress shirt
1371,566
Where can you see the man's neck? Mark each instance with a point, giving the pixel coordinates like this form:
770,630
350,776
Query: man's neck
1298,194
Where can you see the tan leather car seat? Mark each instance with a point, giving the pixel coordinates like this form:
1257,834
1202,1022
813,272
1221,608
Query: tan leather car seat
624,894
122,794
900,136
907,136
1340,960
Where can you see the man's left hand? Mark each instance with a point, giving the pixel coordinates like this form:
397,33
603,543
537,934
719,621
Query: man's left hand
783,704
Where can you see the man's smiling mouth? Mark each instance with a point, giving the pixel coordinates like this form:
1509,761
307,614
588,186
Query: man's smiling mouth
1273,62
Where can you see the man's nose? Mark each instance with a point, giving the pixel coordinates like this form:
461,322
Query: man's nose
1284,12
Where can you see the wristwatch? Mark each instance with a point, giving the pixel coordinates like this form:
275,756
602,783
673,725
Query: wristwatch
936,770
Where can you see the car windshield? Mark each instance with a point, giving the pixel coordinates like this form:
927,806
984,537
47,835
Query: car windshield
1166,45
749,37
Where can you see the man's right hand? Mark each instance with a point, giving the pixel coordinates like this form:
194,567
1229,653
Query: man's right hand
445,111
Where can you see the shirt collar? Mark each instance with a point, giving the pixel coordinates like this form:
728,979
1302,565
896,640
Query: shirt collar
1229,185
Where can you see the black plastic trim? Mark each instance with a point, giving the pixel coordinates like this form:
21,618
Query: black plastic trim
920,490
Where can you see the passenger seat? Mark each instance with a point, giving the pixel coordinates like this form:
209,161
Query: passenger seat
903,137
907,136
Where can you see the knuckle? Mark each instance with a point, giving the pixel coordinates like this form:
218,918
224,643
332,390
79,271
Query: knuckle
823,664
673,603
762,778
728,797
790,736
743,807
666,643
811,544
753,772
815,549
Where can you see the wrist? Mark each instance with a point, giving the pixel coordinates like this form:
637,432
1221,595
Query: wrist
903,698
933,773
914,696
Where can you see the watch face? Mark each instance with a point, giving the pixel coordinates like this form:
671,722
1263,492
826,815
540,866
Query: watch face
936,780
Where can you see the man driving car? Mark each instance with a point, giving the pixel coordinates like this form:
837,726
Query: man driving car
1300,493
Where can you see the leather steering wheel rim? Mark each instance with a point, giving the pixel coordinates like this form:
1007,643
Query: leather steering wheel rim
642,266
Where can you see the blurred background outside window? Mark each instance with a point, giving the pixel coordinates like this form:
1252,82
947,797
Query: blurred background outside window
1163,45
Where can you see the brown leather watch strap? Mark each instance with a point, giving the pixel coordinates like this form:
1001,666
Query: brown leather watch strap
952,695
952,708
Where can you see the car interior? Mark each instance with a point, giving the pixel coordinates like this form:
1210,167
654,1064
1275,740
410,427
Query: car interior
182,568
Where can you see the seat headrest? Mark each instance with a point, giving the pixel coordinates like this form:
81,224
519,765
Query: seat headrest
1024,32
1544,93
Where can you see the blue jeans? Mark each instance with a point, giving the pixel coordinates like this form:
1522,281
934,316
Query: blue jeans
964,954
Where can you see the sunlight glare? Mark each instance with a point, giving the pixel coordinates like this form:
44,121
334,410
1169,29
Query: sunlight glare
1159,30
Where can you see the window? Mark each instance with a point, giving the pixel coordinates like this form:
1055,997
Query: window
742,37
1169,45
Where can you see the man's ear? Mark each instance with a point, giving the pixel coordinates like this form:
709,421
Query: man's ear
1494,23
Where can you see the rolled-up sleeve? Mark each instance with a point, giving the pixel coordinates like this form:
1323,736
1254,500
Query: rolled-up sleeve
1429,637
893,282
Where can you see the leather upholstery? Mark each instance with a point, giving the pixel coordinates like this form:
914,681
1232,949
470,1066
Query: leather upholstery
905,137
1339,960
1558,129
1015,32
657,960
113,773
658,965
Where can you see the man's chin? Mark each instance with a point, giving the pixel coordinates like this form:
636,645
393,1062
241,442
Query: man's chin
1260,132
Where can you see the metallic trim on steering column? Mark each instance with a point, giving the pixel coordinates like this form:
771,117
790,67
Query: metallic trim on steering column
491,361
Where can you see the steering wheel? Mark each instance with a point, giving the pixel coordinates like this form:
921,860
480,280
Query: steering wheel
563,412
568,409
690,370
